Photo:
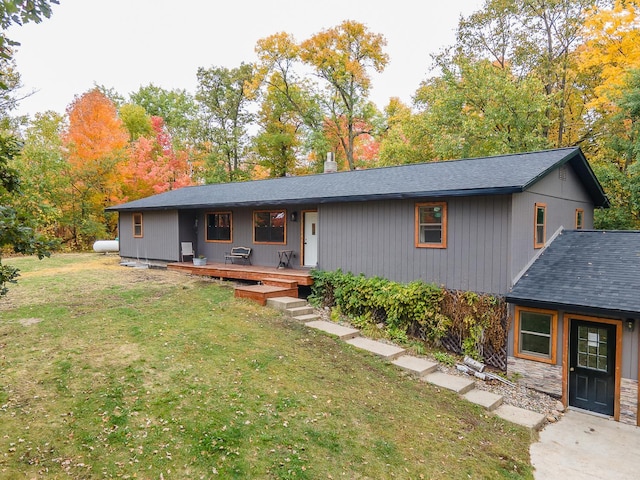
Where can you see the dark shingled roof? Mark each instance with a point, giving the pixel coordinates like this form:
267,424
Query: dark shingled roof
481,176
591,271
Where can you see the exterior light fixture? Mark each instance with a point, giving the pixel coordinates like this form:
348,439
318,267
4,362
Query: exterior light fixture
630,324
294,216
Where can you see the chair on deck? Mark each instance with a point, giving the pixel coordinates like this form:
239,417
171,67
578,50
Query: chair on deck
186,249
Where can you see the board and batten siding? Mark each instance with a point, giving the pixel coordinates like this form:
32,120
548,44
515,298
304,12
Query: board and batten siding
160,240
377,238
562,192
242,235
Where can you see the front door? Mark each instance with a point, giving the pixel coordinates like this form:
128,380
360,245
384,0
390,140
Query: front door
592,366
310,239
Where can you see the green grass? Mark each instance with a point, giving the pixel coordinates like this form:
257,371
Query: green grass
113,372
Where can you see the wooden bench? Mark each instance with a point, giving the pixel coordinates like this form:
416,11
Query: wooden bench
238,253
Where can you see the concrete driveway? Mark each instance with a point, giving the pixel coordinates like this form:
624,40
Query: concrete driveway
583,446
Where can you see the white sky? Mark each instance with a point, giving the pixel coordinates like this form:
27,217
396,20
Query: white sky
123,44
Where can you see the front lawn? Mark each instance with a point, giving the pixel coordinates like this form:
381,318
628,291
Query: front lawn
115,372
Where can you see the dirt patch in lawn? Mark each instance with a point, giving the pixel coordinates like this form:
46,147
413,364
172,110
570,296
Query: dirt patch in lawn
27,322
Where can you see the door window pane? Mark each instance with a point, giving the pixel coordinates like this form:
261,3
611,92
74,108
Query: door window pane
595,354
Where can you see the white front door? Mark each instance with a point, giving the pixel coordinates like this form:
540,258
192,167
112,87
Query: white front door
310,239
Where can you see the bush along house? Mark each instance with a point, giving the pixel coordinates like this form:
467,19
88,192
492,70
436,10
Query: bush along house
472,225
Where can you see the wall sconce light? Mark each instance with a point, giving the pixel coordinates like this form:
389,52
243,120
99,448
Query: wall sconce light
294,216
630,324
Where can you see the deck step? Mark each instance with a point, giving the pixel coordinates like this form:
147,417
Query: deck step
261,293
384,350
285,302
340,331
280,282
416,366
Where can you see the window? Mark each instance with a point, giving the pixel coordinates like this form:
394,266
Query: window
579,219
218,227
269,226
540,230
137,225
431,225
536,334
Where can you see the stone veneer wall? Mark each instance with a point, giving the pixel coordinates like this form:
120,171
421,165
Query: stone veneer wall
548,378
539,376
628,401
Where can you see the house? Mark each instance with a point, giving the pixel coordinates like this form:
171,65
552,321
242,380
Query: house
576,321
474,224
467,224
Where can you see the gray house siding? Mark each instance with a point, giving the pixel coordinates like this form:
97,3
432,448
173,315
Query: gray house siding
242,235
378,238
563,193
160,240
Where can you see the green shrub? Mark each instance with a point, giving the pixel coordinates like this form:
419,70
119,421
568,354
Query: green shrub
414,310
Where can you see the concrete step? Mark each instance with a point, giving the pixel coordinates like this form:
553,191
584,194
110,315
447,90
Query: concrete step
307,318
520,416
456,383
298,311
488,400
283,302
416,366
384,350
340,331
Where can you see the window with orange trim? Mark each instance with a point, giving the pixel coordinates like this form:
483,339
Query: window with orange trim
269,226
540,225
138,230
579,219
431,225
536,334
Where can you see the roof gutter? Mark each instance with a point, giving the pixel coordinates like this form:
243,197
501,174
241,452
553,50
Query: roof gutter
324,200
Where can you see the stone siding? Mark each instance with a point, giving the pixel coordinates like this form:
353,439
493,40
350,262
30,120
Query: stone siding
539,376
628,401
548,379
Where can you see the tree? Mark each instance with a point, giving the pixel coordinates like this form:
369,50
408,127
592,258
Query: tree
405,138
136,121
534,38
18,229
153,166
290,119
176,107
479,108
95,141
341,56
223,98
45,174
618,168
610,50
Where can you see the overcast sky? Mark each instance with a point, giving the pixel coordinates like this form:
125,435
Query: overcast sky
123,44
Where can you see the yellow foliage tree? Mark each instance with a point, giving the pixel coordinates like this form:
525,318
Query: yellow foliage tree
611,50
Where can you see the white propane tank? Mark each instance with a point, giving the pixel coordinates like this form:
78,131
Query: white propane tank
106,246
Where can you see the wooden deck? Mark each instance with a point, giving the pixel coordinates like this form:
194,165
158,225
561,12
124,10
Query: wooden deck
245,272
274,281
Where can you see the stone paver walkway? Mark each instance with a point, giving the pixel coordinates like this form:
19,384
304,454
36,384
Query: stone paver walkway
419,367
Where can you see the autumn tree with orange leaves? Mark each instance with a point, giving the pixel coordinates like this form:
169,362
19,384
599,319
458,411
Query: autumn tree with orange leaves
153,165
95,142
